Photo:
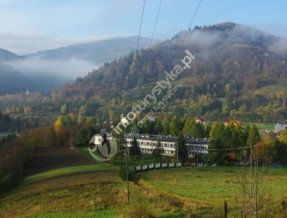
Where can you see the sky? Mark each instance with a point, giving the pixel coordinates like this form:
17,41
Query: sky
28,26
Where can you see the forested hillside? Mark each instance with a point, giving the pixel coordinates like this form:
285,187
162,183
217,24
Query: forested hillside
238,72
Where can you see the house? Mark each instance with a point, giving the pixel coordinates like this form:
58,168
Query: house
151,118
235,122
200,120
279,126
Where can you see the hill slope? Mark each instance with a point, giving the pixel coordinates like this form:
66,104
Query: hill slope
11,80
7,55
233,63
97,52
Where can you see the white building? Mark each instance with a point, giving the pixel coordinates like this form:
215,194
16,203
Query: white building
147,143
279,127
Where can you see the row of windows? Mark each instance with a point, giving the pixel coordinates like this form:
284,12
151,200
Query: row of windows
165,145
169,145
198,148
163,152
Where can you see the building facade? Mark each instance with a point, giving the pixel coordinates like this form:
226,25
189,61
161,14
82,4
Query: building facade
147,143
279,127
196,146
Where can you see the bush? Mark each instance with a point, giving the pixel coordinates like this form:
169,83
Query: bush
123,175
135,158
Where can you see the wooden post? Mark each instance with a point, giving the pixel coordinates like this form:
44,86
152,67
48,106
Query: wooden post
127,174
225,209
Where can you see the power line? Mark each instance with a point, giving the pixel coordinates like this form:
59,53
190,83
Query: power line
155,23
141,25
192,19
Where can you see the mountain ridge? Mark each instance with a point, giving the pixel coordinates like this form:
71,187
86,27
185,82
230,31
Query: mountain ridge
232,62
97,52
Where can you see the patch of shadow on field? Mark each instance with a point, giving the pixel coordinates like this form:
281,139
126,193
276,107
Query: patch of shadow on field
62,181
54,158
60,192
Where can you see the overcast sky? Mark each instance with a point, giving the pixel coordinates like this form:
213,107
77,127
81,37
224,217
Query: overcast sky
31,25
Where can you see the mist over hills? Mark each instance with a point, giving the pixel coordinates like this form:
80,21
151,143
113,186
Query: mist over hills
97,52
6,55
52,68
11,80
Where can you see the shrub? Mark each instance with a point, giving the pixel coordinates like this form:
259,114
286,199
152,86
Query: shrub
123,175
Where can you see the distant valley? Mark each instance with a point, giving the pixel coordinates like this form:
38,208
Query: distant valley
49,69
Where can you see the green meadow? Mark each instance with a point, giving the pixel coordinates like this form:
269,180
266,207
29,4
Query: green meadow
97,191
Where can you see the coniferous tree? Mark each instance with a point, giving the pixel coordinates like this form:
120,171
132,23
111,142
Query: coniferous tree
158,150
135,149
85,134
181,147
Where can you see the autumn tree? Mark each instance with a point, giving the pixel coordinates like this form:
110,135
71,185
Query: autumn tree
283,136
253,136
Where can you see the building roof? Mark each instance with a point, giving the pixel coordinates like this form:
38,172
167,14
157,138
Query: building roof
227,120
201,119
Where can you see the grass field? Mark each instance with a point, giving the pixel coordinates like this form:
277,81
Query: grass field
98,192
95,190
262,126
207,188
67,171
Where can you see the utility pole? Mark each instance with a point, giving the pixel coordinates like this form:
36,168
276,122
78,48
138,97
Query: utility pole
176,151
225,209
256,184
127,175
251,171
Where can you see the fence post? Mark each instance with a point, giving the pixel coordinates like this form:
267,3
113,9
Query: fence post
225,209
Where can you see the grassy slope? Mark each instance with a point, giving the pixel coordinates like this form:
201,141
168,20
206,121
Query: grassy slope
66,171
76,195
97,191
209,187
